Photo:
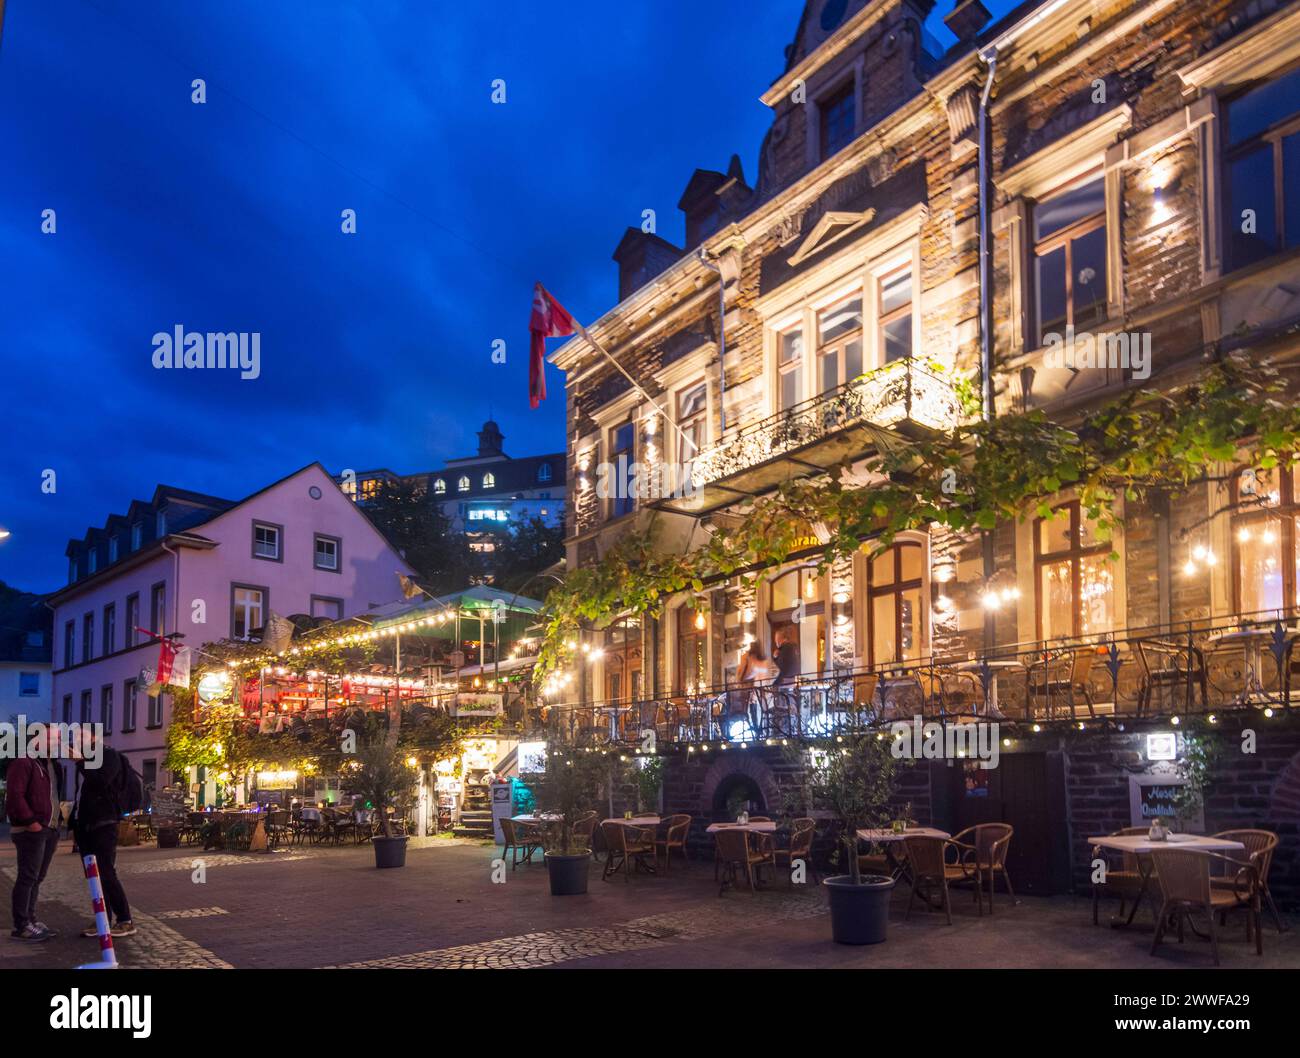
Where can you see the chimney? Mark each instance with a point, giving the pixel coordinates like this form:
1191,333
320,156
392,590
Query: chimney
966,20
641,256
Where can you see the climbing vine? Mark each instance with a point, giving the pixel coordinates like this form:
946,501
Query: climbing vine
968,479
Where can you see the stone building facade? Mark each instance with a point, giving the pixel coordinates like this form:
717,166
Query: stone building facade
1142,188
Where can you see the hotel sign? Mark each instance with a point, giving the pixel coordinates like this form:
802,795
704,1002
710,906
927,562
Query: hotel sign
483,704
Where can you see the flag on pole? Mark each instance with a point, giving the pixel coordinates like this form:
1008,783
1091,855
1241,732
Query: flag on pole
549,320
278,633
409,588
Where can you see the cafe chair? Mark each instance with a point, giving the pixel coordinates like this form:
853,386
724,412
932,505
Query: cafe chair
679,826
737,852
519,839
930,871
628,849
277,827
1165,665
1126,881
583,827
799,849
1061,675
1184,878
982,855
1260,845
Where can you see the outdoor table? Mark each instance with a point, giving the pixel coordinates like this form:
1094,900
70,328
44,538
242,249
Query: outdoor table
635,821
1252,640
755,828
991,702
888,837
1139,844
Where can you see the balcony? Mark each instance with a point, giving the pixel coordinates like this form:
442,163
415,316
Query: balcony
903,399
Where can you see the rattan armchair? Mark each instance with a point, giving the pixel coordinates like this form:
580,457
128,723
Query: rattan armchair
583,828
519,838
1127,882
1260,845
628,848
1168,665
1184,878
678,827
799,849
738,851
930,871
1060,674
983,856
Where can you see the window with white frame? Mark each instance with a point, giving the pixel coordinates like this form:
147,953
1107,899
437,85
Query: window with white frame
489,480
247,611
1069,251
895,314
789,364
622,456
439,487
463,484
693,422
839,342
266,541
327,553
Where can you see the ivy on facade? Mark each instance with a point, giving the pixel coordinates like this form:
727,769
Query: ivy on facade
969,479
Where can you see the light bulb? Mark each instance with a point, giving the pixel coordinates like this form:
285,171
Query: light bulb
1243,534
699,620
1198,552
1189,567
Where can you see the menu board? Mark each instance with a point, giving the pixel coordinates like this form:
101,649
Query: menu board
169,805
1156,795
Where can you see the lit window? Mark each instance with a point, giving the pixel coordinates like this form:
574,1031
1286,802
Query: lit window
896,315
463,484
1075,577
327,553
895,589
246,612
266,541
839,342
489,481
1070,259
789,356
1262,158
1264,538
439,487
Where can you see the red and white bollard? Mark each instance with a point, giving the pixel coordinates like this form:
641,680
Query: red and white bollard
108,957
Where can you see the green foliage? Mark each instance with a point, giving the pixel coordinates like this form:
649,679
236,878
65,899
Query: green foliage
968,479
853,779
1200,754
649,780
379,774
571,785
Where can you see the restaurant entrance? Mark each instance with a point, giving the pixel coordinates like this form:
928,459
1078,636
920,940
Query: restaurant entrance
1026,790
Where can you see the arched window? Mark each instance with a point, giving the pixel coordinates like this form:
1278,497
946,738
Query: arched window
463,484
795,602
895,589
544,472
439,487
1075,577
489,481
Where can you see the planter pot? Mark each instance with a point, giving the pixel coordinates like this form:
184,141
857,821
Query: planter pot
859,913
568,873
168,837
389,852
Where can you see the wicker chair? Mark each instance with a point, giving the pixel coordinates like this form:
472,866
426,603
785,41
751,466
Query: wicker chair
930,870
983,855
1127,881
1260,845
679,826
519,838
1184,878
1061,674
1166,665
583,827
800,848
738,851
277,827
628,849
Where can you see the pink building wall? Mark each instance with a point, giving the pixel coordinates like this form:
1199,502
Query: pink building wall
367,577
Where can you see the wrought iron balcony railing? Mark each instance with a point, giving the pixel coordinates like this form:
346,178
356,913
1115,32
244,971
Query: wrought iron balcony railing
905,391
1202,669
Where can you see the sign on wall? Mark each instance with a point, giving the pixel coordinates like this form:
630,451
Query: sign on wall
483,704
1153,795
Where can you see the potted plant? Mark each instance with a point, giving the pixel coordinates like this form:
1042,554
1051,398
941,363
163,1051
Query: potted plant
381,777
568,788
853,778
649,781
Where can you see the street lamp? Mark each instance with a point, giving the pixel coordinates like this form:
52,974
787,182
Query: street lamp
4,534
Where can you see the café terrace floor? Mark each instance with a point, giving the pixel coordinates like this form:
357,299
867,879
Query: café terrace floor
325,906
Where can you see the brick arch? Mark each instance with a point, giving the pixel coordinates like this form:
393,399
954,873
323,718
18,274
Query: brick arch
1286,793
751,766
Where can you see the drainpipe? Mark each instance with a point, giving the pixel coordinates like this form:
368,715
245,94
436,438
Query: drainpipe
990,59
722,340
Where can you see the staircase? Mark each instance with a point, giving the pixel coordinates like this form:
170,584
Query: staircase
475,814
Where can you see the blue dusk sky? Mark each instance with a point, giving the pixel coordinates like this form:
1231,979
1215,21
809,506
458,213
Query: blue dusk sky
375,347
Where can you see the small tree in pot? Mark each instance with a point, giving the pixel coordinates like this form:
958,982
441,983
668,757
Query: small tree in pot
853,778
570,788
381,776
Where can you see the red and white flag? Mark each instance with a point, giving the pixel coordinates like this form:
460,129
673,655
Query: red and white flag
549,320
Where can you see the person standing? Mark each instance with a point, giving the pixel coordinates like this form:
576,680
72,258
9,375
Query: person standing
99,810
32,805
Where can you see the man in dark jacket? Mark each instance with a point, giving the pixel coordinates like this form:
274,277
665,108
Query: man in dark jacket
32,805
98,813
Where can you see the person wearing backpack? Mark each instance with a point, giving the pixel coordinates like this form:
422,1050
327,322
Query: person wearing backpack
108,792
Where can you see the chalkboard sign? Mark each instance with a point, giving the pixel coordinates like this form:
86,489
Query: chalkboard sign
1156,795
169,806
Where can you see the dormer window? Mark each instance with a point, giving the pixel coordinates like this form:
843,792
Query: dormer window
489,481
137,536
544,472
161,525
439,487
463,484
837,115
72,569
112,549
92,560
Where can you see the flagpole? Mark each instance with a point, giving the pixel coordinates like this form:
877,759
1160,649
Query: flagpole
582,333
